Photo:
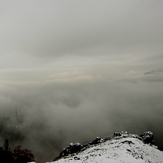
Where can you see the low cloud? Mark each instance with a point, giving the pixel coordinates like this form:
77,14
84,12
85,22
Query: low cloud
55,113
154,72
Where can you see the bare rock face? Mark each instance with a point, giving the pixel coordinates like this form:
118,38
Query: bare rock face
147,137
121,147
72,148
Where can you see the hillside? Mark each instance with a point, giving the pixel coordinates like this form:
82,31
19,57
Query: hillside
120,148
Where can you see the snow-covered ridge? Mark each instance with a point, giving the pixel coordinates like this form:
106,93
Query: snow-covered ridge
121,147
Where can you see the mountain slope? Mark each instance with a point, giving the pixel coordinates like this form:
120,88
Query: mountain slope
121,148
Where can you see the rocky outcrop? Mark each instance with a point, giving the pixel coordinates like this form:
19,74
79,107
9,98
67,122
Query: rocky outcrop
147,137
75,148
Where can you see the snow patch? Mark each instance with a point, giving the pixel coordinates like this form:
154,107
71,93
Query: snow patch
121,148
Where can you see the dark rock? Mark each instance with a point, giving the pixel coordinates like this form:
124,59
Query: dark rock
72,148
128,142
107,138
147,137
117,134
76,158
97,141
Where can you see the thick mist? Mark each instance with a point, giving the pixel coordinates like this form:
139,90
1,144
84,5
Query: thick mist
53,114
73,70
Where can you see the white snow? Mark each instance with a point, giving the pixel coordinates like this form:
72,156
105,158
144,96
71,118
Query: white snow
123,150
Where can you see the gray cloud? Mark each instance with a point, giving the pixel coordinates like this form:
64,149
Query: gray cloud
159,71
56,28
56,113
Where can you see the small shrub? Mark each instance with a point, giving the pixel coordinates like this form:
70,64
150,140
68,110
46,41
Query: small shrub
18,155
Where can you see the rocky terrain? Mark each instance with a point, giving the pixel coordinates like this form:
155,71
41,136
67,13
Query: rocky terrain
122,147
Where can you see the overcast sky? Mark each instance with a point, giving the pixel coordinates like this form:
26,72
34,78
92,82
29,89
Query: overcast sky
71,64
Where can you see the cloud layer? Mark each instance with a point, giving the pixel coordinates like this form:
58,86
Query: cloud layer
80,69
